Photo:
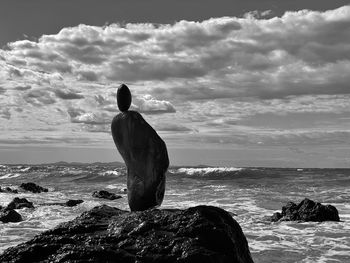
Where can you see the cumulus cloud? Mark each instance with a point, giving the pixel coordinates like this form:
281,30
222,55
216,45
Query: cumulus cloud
149,105
211,76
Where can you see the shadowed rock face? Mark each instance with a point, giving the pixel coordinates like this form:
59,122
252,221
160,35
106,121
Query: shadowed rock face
107,234
145,156
306,210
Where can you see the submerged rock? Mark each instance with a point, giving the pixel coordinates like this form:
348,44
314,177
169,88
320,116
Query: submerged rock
107,234
306,210
146,157
105,195
71,202
19,203
34,188
8,190
9,215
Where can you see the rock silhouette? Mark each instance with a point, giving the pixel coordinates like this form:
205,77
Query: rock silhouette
123,98
108,234
145,155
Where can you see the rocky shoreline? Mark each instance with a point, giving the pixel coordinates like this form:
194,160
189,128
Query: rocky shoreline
108,234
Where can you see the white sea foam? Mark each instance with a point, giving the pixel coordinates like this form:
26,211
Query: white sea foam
10,175
207,170
112,172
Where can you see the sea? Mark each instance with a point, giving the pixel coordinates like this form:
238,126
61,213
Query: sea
250,194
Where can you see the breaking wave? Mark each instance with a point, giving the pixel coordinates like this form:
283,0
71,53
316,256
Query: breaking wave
207,171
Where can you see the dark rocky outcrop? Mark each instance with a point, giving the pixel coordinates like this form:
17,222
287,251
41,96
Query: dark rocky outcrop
306,210
146,157
19,203
107,234
34,188
72,202
8,190
9,215
105,195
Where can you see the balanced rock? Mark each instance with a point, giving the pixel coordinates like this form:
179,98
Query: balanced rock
105,195
306,210
108,234
123,98
19,203
146,157
32,187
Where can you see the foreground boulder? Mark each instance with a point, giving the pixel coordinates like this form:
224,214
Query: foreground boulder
34,188
105,195
306,210
107,234
19,203
9,215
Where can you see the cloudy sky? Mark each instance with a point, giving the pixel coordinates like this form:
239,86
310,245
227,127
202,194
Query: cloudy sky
235,83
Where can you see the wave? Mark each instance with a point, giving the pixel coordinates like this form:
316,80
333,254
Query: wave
205,171
10,175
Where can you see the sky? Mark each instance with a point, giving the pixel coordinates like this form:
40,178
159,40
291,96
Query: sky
224,83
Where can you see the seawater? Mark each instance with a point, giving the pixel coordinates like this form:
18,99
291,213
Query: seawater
252,194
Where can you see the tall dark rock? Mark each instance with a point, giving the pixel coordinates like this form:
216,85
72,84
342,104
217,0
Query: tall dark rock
145,155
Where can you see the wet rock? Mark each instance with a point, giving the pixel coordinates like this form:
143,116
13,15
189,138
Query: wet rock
71,203
34,188
105,195
19,203
306,210
146,157
8,190
107,234
9,215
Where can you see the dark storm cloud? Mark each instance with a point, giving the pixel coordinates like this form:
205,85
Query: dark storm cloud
23,88
5,113
39,97
68,94
2,90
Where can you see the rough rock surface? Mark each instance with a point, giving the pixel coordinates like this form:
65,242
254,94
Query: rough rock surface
306,210
107,234
105,195
19,203
146,157
34,188
72,202
9,215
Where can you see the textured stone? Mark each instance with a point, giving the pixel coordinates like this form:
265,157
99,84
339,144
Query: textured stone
19,203
32,187
306,210
9,215
146,157
107,234
105,195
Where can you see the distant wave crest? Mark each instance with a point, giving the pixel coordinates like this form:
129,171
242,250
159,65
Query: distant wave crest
203,171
